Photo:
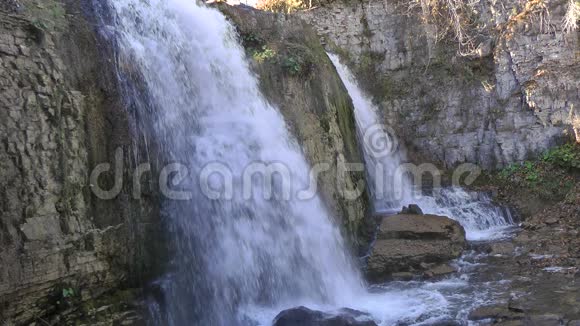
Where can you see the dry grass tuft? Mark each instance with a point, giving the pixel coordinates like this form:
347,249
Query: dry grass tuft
570,22
452,17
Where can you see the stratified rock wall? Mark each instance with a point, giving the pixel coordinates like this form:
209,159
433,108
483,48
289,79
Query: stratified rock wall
59,118
518,96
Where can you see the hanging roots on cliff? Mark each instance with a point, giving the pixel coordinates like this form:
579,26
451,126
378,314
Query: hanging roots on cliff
532,10
461,20
570,21
458,18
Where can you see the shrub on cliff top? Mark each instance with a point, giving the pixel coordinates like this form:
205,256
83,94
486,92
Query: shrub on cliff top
289,6
285,6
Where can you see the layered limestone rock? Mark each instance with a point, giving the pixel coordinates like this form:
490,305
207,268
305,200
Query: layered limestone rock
511,100
415,244
58,119
297,76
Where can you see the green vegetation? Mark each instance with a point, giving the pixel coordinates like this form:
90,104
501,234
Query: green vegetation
528,171
264,54
46,15
551,177
67,293
251,41
295,59
292,65
66,297
567,156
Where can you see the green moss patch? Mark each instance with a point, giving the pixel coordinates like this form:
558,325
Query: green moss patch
46,15
540,182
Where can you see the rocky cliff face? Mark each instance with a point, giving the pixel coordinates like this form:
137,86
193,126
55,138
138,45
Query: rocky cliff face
517,96
297,76
60,116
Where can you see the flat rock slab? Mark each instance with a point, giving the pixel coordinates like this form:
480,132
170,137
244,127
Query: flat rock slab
422,227
493,313
415,243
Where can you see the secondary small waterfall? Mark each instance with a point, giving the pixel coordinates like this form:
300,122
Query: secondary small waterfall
243,246
391,188
380,148
481,218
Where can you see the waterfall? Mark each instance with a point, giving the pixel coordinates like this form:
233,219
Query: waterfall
391,189
481,218
382,154
245,244
241,249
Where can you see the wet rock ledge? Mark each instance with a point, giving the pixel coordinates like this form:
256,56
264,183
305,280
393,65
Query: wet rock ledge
408,245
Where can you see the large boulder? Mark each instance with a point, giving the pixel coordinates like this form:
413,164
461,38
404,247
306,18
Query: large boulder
414,243
302,316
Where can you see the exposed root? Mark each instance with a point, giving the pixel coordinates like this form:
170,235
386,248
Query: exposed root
533,9
570,21
460,19
452,17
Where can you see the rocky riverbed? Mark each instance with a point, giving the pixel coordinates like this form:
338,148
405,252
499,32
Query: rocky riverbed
529,277
541,265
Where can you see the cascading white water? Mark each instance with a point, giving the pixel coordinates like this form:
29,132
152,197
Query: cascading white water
480,218
207,110
236,257
381,151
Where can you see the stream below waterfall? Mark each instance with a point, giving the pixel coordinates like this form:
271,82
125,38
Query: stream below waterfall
446,301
